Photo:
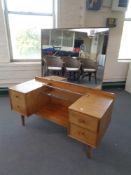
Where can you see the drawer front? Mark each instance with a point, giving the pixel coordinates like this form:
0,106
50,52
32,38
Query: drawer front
18,102
83,135
84,121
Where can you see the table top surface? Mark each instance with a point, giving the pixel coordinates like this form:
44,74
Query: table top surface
33,84
92,104
27,86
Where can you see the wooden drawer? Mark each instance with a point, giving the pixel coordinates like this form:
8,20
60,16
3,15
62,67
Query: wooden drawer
82,135
27,103
16,96
84,121
18,102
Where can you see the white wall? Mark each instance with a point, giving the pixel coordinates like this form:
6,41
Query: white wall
128,82
14,73
71,13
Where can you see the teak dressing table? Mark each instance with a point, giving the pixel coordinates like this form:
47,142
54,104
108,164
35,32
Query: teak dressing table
85,112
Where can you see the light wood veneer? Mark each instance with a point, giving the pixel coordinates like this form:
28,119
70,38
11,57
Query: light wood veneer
85,112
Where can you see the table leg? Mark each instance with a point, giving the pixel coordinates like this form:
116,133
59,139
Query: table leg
23,120
89,152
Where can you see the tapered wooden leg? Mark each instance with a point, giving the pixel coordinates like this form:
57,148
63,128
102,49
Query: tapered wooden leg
89,152
68,129
23,120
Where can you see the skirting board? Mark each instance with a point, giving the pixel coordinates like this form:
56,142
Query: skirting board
3,91
118,84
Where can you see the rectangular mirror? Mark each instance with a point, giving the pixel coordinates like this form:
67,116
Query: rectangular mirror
77,53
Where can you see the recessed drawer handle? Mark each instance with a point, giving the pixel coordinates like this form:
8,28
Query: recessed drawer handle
18,106
81,133
81,121
17,96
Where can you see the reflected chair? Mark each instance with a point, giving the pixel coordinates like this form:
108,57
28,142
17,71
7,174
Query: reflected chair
54,65
43,66
72,68
89,68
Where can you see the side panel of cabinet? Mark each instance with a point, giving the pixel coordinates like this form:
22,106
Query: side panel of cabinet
104,123
35,100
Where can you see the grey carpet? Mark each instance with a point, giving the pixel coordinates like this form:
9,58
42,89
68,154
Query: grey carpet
43,148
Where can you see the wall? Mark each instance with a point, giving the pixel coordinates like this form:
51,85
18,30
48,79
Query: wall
14,73
71,13
128,82
69,17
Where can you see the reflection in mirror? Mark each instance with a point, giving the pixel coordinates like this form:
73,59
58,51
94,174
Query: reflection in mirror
77,54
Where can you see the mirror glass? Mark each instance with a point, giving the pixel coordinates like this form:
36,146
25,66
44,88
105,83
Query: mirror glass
77,54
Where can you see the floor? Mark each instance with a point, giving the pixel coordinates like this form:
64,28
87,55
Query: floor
43,148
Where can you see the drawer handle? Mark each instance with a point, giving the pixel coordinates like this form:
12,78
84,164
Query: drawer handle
18,106
17,96
81,133
81,121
